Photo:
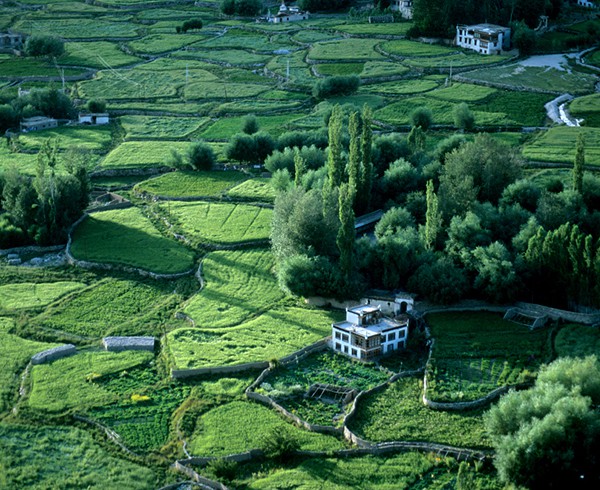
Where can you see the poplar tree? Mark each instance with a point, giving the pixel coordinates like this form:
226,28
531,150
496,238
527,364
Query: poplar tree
433,219
579,163
366,167
335,171
354,154
299,168
346,234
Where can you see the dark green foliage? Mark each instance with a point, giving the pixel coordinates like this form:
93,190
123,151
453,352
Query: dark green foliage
242,148
400,178
200,156
448,145
280,445
37,45
250,124
523,192
245,8
323,5
524,39
8,117
192,24
222,469
440,281
463,117
309,276
578,166
549,436
49,102
334,86
291,139
96,105
264,145
422,118
393,222
346,234
387,149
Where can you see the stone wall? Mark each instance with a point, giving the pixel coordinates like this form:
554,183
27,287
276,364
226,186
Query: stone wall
53,354
236,368
556,314
32,249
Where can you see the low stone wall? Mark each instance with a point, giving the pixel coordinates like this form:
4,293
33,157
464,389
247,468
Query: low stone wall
204,482
236,368
462,406
108,207
32,249
119,344
59,352
556,314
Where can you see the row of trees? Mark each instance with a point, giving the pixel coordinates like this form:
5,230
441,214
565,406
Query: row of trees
42,208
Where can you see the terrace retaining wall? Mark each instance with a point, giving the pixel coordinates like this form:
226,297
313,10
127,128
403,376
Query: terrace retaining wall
48,355
204,482
556,314
32,249
236,368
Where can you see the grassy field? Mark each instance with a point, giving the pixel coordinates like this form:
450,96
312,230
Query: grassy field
577,341
233,56
346,49
274,334
476,353
393,29
96,54
114,307
11,66
241,426
221,223
238,285
70,383
222,129
398,414
401,87
142,127
77,28
126,237
15,353
96,139
161,43
335,69
588,108
411,49
557,145
28,295
65,457
221,90
258,189
190,183
140,154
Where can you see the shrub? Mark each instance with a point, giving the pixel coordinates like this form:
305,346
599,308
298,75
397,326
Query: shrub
292,139
421,117
340,85
250,124
8,117
96,105
201,156
313,157
44,46
463,117
279,445
191,25
264,144
222,468
241,148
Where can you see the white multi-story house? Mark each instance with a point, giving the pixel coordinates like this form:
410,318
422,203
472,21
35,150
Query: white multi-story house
405,7
287,14
587,4
367,333
483,38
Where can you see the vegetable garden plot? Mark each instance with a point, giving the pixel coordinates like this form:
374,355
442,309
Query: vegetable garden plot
392,29
15,354
241,39
11,66
241,426
476,353
274,334
238,285
456,60
398,414
411,49
221,223
126,237
232,56
190,183
113,307
95,139
401,87
222,90
65,457
374,69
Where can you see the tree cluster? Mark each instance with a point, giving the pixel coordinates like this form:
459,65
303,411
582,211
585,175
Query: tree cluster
42,208
324,5
333,86
198,156
38,46
244,8
189,25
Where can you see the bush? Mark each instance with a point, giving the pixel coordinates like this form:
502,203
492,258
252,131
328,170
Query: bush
463,117
246,8
241,148
49,102
96,105
299,139
332,86
264,144
222,469
44,46
314,158
422,118
8,117
250,124
191,24
201,156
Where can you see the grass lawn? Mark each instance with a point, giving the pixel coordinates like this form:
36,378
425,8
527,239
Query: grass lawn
38,458
127,237
534,77
28,295
240,426
346,49
398,414
476,353
221,223
70,383
558,145
577,341
140,154
274,334
189,183
395,471
96,54
114,307
258,189
15,353
96,138
238,285
141,127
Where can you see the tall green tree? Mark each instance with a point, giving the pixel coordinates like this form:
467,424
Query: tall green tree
366,167
433,217
299,167
335,167
346,233
579,163
354,157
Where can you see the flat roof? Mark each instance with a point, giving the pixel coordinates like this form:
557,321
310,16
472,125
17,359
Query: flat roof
383,325
488,28
37,119
363,309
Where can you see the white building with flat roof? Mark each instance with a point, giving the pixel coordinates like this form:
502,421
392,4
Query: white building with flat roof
367,333
483,38
405,7
287,14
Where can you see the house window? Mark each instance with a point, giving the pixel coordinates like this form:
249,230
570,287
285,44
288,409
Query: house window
338,335
345,338
338,346
346,349
391,336
354,353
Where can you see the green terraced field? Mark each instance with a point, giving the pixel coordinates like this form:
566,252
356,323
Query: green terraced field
97,54
410,49
587,108
238,285
558,145
191,183
272,335
140,154
78,28
241,426
220,223
31,295
222,129
95,139
161,43
347,49
126,237
151,127
258,189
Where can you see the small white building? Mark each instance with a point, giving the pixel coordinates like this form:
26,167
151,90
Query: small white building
587,4
405,7
38,123
94,118
287,14
10,41
367,333
483,38
391,305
